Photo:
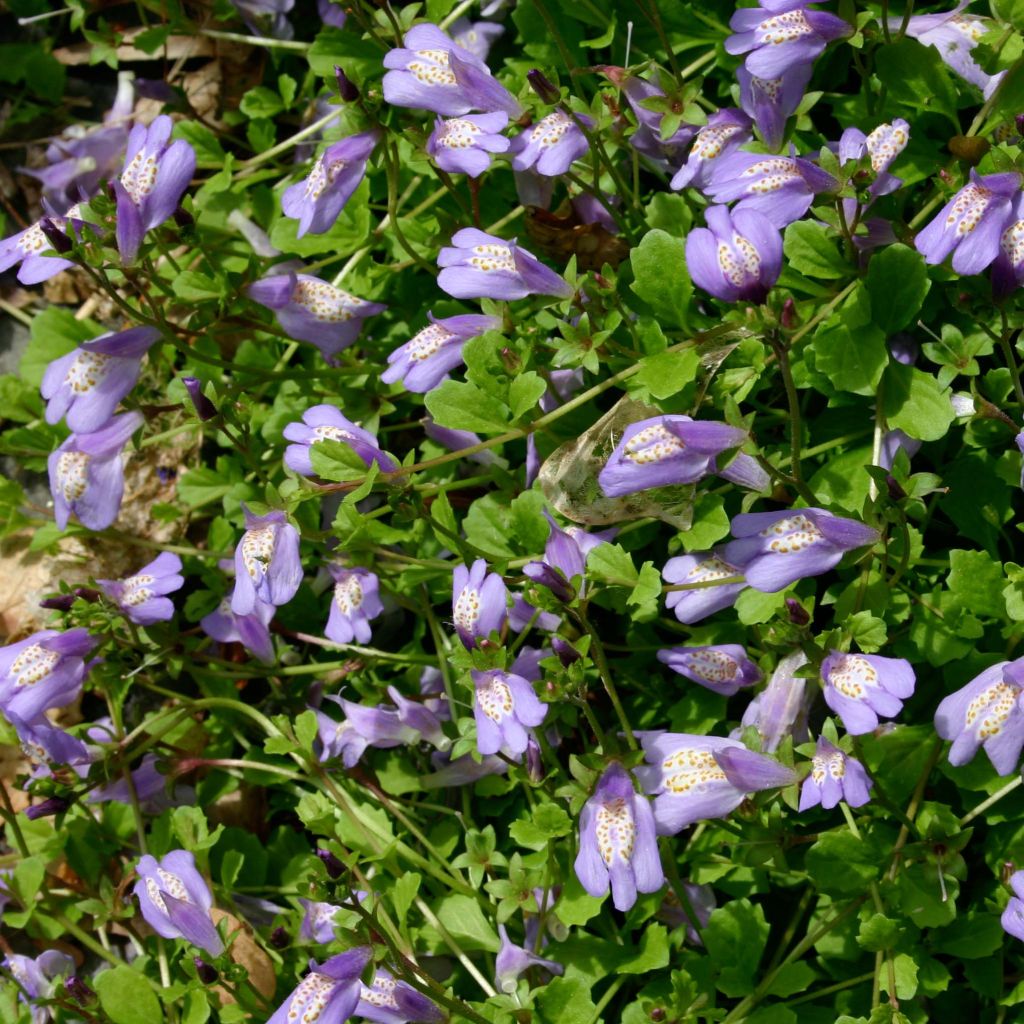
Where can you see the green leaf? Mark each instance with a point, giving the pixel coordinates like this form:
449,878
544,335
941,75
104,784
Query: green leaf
651,955
192,286
853,360
612,564
922,899
735,938
878,932
461,405
905,971
914,402
660,276
667,373
977,581
126,997
261,102
792,978
403,892
565,1001
462,916
841,863
971,936
868,631
28,879
897,282
575,905
548,821
525,392
810,248
916,76
209,152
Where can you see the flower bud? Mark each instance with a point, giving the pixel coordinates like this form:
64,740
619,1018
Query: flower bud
797,613
155,89
892,485
52,805
205,409
279,938
60,604
970,149
60,242
204,971
334,867
534,762
78,990
567,654
346,89
87,594
788,317
543,87
183,218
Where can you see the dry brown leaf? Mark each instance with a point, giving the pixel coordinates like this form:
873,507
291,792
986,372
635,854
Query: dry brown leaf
245,950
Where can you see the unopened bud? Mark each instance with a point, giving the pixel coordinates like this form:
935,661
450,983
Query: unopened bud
155,89
892,485
205,409
534,762
797,613
183,218
543,86
969,148
279,938
78,990
335,869
49,807
54,235
567,654
87,594
59,604
657,1014
346,89
204,971
788,317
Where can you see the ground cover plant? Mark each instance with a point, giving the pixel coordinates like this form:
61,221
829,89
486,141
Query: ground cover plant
510,512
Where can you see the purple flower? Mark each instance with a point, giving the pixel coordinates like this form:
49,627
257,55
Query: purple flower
325,423
723,668
463,145
45,746
772,101
883,145
316,201
1012,918
834,777
860,687
737,256
87,475
954,36
248,630
565,557
318,921
35,977
266,17
647,138
330,13
479,601
435,350
141,596
513,960
986,713
707,567
150,788
313,310
155,176
781,34
175,900
205,409
1008,268
267,566
689,783
618,843
431,72
477,37
725,132
971,224
354,602
505,707
551,145
663,451
329,994
478,265
781,708
894,441
43,671
390,1001
781,188
27,248
778,548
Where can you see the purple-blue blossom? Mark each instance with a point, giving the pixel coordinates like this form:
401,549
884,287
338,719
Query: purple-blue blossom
250,630
317,201
513,960
722,668
860,688
463,145
149,190
317,921
86,384
834,776
505,707
551,146
434,351
43,671
1008,267
329,994
724,133
618,844
479,603
175,900
478,265
781,34
1012,918
647,137
432,72
971,224
28,247
312,310
35,977
770,102
355,600
779,548
388,1000
87,473
738,256
782,707
267,566
326,423
986,714
142,596
46,746
565,557
705,571
663,451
